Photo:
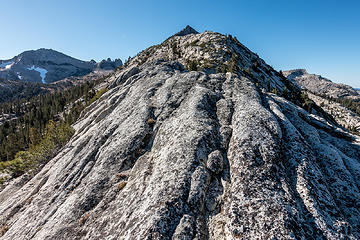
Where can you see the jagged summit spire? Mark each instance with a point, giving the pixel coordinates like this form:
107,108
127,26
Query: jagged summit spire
187,30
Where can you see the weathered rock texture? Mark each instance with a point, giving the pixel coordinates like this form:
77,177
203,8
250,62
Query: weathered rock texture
320,85
343,116
168,153
321,89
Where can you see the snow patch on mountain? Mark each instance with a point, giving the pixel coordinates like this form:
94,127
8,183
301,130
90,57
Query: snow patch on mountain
58,66
6,65
42,72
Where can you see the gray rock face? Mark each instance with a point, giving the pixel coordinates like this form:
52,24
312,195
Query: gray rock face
343,116
215,162
319,85
187,30
173,154
108,64
47,66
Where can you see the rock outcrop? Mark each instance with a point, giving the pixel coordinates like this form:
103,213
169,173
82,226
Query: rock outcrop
108,64
320,85
187,30
342,115
323,92
169,153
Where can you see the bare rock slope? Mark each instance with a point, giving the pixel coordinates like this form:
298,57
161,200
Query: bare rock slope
320,85
321,89
169,153
342,115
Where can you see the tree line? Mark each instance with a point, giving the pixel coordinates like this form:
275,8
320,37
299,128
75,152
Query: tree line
34,114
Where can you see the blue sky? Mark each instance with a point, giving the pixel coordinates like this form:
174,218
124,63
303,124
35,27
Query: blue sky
321,36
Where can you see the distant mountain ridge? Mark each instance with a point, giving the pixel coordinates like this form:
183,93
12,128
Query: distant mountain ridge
47,66
338,100
320,85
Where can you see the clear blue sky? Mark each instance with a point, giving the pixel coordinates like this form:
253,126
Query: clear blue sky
321,36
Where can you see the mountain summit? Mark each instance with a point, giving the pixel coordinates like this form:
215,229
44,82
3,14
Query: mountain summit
196,138
187,30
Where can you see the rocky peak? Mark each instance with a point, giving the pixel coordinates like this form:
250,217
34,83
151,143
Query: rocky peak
187,30
213,53
41,53
295,73
109,64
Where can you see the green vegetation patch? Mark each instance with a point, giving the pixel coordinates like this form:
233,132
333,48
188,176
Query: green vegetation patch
97,95
56,135
41,127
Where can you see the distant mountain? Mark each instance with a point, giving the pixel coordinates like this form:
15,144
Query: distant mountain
341,101
320,85
47,66
108,64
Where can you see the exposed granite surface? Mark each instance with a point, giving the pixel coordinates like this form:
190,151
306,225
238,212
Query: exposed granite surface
168,153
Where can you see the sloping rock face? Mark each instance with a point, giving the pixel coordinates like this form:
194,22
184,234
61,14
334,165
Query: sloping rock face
319,89
342,115
320,85
168,153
